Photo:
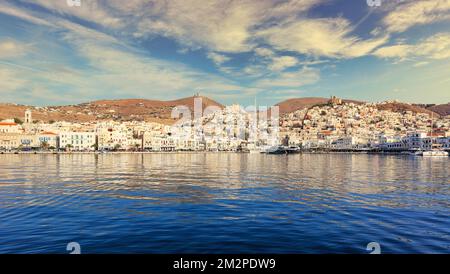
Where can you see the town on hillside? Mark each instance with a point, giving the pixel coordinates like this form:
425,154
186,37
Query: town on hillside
334,125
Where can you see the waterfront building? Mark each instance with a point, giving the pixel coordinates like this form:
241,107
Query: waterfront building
9,141
158,142
28,141
78,141
9,126
444,142
416,140
48,139
348,143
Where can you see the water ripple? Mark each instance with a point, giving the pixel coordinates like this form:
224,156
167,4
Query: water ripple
224,203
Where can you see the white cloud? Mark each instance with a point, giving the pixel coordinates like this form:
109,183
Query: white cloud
412,13
400,51
225,26
420,64
282,62
329,37
435,47
264,52
217,58
10,79
289,80
15,12
92,11
12,49
104,73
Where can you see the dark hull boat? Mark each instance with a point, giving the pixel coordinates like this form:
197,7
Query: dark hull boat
282,150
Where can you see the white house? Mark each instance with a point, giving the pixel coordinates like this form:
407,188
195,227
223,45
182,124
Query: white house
8,126
79,141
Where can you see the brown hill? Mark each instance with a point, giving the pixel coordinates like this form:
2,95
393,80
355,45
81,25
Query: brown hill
443,109
119,110
403,107
294,104
160,111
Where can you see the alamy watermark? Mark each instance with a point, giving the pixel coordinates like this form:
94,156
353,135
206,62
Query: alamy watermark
237,123
73,3
373,3
374,247
74,248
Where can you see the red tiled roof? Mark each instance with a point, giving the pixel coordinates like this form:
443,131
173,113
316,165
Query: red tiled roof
48,133
7,124
435,134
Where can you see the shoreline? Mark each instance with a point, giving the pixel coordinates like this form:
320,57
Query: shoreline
404,153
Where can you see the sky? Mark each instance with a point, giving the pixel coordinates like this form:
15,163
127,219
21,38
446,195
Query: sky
53,52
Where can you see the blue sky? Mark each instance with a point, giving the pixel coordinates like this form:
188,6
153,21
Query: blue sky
232,51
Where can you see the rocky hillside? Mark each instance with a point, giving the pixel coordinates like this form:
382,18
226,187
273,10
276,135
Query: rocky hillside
119,110
294,104
403,107
160,111
443,109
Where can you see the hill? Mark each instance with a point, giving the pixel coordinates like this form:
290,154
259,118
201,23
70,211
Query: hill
160,111
119,110
403,107
294,104
443,109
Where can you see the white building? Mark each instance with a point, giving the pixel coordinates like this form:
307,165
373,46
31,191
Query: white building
416,140
350,142
9,141
158,142
48,138
79,141
8,126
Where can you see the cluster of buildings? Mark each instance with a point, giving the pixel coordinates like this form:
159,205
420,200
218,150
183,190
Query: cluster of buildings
331,126
364,126
224,130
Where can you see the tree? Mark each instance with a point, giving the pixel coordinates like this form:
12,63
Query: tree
18,121
137,147
95,146
117,147
69,147
45,145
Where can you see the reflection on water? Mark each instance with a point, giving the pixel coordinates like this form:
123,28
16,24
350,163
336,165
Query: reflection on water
223,202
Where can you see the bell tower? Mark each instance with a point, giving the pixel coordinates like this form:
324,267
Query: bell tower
28,118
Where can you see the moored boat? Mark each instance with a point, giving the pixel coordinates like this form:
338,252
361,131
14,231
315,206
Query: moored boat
432,153
435,153
281,150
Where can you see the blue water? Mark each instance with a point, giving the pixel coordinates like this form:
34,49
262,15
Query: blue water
224,203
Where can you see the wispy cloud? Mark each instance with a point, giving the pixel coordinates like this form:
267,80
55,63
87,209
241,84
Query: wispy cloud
434,47
329,37
92,11
217,58
10,48
105,48
411,13
290,80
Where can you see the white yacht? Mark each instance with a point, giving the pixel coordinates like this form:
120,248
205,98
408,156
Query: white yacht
432,153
